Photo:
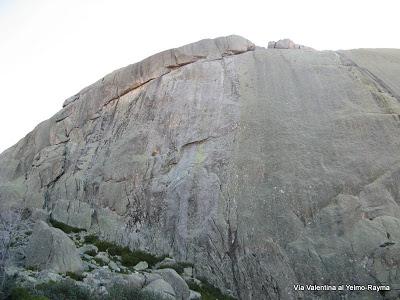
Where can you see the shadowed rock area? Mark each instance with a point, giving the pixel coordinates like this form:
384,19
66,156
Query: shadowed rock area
265,168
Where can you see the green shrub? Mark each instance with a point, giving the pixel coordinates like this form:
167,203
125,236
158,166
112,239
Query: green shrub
75,276
20,293
106,246
33,268
91,253
128,258
126,292
69,290
131,258
11,291
64,290
208,291
91,239
64,227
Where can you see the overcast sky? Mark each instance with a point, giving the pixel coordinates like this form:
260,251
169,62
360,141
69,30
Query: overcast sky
51,49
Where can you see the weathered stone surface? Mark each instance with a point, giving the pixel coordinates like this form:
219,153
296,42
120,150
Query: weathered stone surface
105,276
103,256
135,280
113,266
162,288
263,168
188,272
194,295
87,248
74,213
166,262
40,214
178,284
141,266
286,44
51,249
46,276
149,277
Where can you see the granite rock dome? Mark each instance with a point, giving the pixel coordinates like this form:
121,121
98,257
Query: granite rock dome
264,167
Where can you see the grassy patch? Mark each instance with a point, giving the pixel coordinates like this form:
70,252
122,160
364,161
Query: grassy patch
66,228
33,268
178,267
208,291
63,290
69,290
91,239
124,292
131,258
128,258
20,293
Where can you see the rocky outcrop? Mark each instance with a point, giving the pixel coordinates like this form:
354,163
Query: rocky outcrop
286,44
51,249
162,288
264,168
178,284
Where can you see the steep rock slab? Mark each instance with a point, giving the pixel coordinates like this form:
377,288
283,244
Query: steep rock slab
312,138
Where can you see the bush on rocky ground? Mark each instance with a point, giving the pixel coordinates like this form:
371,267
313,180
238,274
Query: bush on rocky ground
69,290
11,291
75,286
208,291
129,258
63,290
75,276
20,293
66,228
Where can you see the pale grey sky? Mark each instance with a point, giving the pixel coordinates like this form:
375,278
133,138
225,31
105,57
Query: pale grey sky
50,49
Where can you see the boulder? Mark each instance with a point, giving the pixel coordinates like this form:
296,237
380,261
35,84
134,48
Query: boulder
103,256
141,266
113,266
99,276
87,256
51,249
135,280
166,262
179,285
46,276
88,248
149,277
161,288
194,295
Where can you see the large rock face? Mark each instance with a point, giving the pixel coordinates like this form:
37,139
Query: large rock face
264,167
